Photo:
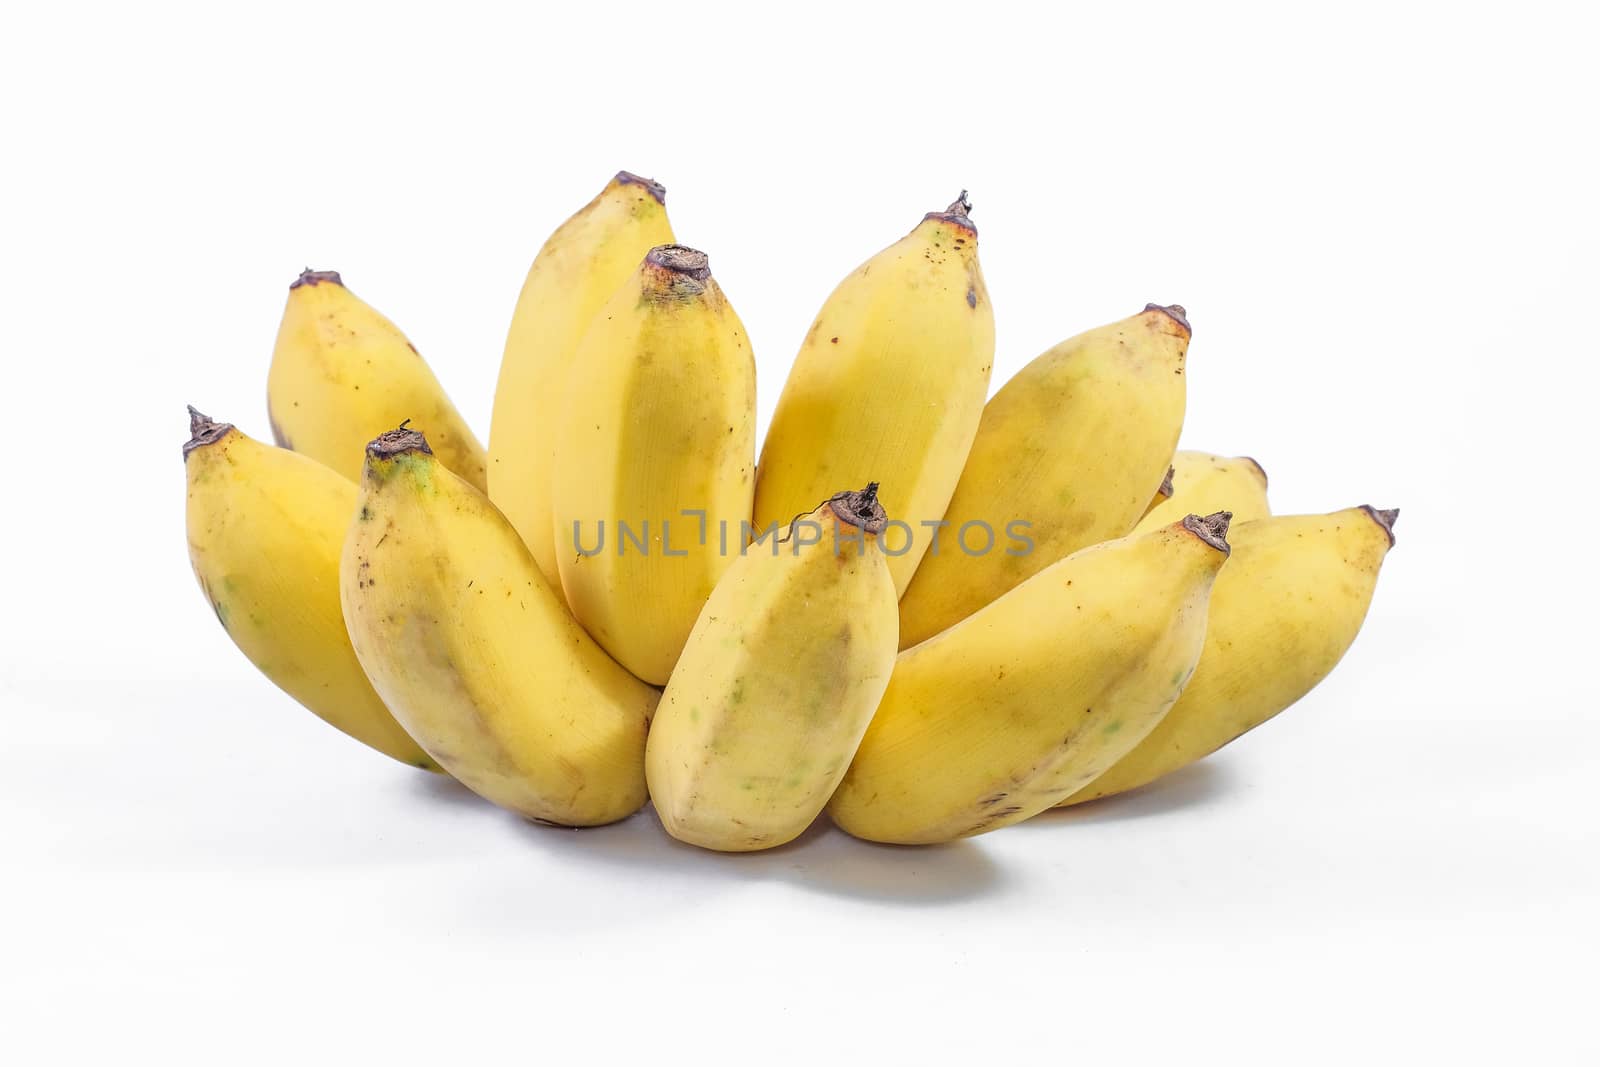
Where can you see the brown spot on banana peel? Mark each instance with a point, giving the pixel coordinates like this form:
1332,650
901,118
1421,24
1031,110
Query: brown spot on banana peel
317,277
654,188
1212,529
957,214
990,819
203,430
1385,518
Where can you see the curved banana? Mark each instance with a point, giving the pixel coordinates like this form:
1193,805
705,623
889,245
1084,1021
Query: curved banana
1018,706
888,387
777,683
265,531
1201,483
1283,613
653,476
474,652
342,373
582,264
1068,454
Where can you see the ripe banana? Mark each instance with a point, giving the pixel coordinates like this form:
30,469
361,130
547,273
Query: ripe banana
1283,613
1202,483
775,687
1018,706
475,653
888,386
265,531
582,264
341,373
1074,446
654,468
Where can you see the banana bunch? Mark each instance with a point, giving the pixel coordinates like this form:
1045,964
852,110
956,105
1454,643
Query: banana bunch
926,612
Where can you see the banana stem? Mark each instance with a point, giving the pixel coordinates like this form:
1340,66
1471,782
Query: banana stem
1212,529
317,277
397,442
1166,483
654,188
861,509
1384,517
681,259
203,430
957,214
1177,312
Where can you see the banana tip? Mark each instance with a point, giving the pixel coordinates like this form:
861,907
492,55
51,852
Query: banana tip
1259,469
861,509
681,259
317,277
398,442
203,430
1176,312
1212,529
1165,489
654,188
1385,518
957,214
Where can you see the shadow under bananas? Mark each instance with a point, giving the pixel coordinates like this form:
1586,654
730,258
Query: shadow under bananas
443,789
823,859
1194,786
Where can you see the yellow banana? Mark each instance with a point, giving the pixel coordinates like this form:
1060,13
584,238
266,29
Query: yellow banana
1283,613
653,475
1201,483
341,373
888,386
1019,705
777,683
582,264
475,653
1068,454
265,531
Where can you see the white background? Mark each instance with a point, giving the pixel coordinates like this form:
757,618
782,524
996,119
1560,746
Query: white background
1382,219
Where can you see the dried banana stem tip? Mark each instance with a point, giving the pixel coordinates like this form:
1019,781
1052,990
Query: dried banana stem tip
690,262
1385,518
654,188
958,213
398,442
1176,312
1212,529
317,277
203,431
861,509
1166,483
